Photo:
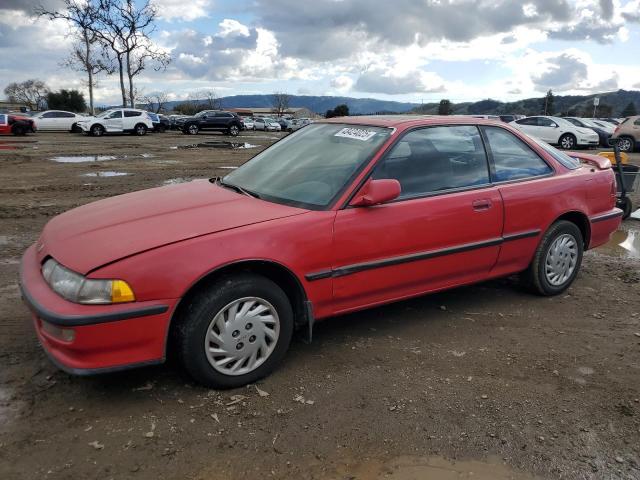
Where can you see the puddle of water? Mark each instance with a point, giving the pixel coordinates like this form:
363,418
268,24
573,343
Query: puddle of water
623,243
221,144
94,158
432,468
83,158
105,174
176,181
227,168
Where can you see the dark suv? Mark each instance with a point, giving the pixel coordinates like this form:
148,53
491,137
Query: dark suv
221,121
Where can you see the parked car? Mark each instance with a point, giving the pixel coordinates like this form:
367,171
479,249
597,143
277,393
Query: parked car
117,120
486,117
175,121
613,121
343,215
510,118
58,120
11,124
283,122
608,127
266,124
557,131
296,124
628,133
604,134
212,120
247,123
160,123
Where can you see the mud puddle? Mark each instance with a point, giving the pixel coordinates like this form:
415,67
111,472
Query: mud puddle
623,243
220,144
96,158
105,174
431,468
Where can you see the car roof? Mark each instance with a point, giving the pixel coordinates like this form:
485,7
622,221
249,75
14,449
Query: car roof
396,121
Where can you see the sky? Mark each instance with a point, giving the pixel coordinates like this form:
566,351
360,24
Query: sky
404,50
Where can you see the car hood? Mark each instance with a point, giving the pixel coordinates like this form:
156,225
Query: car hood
102,232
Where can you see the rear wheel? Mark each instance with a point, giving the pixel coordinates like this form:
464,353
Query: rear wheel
235,332
140,129
97,130
626,144
19,130
567,141
557,260
234,130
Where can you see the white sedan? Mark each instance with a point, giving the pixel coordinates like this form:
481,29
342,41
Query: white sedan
557,131
266,124
58,120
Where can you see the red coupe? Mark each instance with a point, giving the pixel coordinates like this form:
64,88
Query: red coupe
339,216
16,124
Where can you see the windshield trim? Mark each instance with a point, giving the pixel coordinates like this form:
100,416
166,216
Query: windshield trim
348,182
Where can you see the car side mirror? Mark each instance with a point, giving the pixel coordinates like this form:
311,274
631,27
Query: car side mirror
375,192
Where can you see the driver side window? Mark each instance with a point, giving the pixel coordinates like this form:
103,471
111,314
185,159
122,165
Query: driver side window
435,159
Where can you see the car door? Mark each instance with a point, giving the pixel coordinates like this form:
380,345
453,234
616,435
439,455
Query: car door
548,130
65,120
114,122
527,185
443,230
46,121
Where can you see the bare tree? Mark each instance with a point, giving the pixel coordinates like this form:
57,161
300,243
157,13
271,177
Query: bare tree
125,26
280,102
155,101
32,93
210,99
85,54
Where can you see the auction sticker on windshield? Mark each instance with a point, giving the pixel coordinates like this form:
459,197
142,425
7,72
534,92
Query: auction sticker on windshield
355,133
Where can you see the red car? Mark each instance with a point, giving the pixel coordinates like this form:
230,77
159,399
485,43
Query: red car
16,124
340,216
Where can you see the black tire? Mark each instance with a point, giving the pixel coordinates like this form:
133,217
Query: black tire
193,327
567,141
19,130
191,129
97,130
536,277
234,130
140,130
627,207
626,144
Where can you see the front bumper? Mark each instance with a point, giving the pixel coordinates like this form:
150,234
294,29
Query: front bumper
88,339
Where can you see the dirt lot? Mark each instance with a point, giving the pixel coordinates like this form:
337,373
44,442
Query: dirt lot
485,379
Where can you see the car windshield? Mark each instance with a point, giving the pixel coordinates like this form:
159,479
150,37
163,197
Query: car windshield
310,167
104,114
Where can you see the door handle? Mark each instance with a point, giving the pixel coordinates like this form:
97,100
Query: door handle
479,205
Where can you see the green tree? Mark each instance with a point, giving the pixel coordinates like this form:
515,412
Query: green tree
445,107
70,100
340,111
547,103
629,110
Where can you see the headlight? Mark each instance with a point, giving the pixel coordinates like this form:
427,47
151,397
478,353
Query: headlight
79,289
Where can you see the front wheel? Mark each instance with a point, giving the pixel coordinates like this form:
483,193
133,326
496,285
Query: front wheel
192,129
19,130
567,141
235,332
626,144
97,130
557,260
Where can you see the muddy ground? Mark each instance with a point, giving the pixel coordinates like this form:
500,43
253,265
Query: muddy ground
486,379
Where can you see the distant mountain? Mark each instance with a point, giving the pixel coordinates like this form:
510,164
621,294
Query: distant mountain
611,104
317,104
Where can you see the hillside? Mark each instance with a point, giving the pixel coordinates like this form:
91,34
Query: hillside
318,104
611,104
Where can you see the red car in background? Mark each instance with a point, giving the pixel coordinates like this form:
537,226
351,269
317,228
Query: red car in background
340,216
11,124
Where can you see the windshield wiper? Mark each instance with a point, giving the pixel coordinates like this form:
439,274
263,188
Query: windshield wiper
238,189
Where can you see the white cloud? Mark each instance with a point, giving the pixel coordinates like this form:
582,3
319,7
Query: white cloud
182,10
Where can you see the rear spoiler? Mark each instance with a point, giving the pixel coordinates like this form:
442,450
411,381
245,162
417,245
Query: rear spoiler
601,163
